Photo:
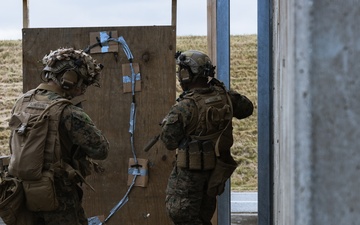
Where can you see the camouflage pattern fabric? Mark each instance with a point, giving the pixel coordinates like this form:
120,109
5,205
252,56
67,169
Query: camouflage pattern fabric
196,61
186,200
84,133
76,129
70,210
64,59
175,122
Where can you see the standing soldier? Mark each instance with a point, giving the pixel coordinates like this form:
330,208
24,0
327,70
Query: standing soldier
199,127
68,144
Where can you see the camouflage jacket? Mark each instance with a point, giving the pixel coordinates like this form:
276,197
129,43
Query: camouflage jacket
182,117
79,137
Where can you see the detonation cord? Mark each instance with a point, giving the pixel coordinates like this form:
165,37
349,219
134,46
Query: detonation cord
105,39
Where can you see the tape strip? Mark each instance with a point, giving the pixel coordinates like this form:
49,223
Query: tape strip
127,79
136,171
103,39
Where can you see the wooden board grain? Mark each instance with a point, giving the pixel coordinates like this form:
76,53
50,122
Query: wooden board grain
153,49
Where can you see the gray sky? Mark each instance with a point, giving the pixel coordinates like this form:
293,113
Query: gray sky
191,15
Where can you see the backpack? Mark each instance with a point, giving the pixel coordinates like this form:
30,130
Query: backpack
34,140
36,151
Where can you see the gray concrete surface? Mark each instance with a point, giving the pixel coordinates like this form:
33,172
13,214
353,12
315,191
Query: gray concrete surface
244,202
244,208
316,112
243,219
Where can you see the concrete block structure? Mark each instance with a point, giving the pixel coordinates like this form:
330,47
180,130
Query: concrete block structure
311,137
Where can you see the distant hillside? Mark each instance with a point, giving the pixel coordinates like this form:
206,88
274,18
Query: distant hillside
243,70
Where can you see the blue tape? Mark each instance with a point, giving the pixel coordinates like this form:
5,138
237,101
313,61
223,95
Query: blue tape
136,171
103,39
127,79
94,221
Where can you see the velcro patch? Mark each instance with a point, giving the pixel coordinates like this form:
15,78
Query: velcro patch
37,105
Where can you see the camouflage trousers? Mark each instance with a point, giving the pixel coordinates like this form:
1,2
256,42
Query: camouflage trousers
70,211
186,200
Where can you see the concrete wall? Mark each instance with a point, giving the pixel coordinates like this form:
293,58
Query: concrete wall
316,50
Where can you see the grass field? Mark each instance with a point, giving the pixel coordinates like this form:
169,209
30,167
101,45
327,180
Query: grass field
243,70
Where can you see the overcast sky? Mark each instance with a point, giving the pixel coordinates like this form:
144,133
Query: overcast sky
191,15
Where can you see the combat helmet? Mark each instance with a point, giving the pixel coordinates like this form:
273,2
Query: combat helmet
193,64
68,67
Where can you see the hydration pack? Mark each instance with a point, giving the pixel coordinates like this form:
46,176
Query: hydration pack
34,140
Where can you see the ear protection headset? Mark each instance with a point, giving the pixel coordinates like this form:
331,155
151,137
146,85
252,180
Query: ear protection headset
184,75
69,79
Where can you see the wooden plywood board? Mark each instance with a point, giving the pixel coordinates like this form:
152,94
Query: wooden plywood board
101,36
109,107
141,170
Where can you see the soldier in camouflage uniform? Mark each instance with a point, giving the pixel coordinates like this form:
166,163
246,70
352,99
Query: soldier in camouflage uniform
68,73
199,128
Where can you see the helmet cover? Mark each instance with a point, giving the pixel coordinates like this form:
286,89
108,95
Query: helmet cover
196,61
64,59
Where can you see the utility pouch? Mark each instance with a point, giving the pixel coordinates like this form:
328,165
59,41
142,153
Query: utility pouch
40,194
182,158
11,199
219,176
209,157
12,203
194,156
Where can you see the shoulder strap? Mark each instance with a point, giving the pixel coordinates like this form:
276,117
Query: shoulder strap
193,125
55,108
55,102
217,152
